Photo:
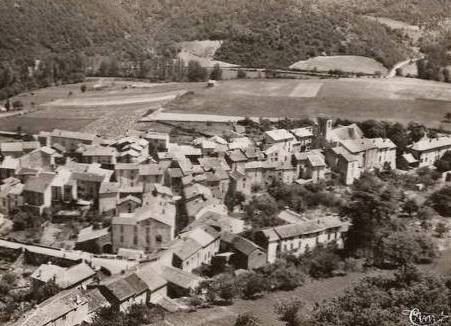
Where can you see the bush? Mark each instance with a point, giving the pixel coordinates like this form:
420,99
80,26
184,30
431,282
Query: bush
441,201
251,284
196,73
395,249
18,105
288,311
247,319
83,88
323,262
241,74
283,275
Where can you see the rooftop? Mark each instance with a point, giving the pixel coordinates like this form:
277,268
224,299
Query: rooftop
426,144
279,135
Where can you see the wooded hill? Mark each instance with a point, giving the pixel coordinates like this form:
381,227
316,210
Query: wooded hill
65,34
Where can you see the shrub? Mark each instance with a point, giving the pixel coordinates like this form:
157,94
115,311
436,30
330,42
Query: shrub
441,201
288,311
18,105
247,319
251,284
241,74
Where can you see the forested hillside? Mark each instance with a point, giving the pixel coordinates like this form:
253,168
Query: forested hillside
133,37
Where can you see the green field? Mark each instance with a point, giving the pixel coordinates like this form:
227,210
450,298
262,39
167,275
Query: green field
398,99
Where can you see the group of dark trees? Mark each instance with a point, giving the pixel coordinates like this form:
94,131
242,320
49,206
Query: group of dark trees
437,62
376,300
142,40
286,274
17,299
138,314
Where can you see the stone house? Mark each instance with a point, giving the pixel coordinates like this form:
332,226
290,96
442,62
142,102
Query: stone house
428,150
297,238
246,254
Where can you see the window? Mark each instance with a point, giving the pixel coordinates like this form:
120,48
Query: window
329,236
121,239
158,238
122,229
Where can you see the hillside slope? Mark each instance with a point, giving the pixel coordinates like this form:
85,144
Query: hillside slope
65,34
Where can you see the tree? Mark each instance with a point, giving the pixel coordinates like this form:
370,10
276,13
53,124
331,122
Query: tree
261,212
372,206
216,73
251,284
282,275
46,291
441,201
247,319
18,105
241,74
441,229
379,300
323,262
288,311
411,207
7,105
196,73
394,249
444,163
233,198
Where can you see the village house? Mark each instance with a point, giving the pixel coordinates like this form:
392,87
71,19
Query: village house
108,197
144,229
18,149
372,153
77,276
128,204
408,161
10,195
278,153
139,287
180,283
70,140
339,133
345,164
127,174
88,180
428,150
195,248
67,308
37,192
297,238
150,174
8,167
218,182
196,197
98,154
245,254
95,239
236,158
310,166
304,139
158,140
220,222
281,137
44,158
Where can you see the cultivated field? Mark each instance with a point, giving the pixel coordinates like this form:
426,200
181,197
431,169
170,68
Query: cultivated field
109,107
398,99
346,63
